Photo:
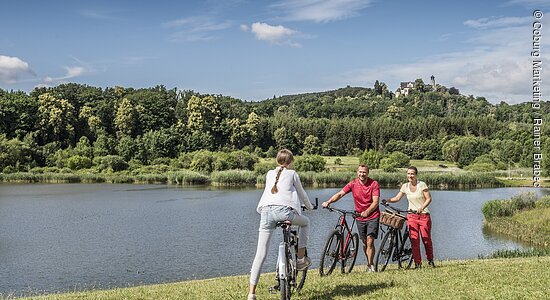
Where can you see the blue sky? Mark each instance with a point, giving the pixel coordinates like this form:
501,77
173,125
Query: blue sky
253,50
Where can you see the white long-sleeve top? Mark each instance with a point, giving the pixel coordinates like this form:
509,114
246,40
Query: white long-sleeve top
290,191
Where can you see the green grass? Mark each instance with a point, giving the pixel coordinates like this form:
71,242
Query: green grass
523,217
518,278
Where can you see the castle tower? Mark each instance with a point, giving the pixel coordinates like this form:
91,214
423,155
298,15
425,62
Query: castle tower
433,82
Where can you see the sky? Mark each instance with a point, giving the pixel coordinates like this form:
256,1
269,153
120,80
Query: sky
254,50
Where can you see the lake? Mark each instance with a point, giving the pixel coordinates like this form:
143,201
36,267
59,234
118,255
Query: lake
64,237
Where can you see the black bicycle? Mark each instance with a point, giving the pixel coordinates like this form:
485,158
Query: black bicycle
341,245
396,243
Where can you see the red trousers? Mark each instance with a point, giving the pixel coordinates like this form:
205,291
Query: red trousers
420,225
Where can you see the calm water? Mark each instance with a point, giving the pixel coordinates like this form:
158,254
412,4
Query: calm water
80,236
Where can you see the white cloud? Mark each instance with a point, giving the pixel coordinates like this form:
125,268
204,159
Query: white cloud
195,29
11,68
244,27
320,10
70,72
278,35
498,22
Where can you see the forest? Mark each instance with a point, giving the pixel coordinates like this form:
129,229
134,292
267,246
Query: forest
78,127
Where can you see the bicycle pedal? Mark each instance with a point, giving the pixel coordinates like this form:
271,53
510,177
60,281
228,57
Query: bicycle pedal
274,289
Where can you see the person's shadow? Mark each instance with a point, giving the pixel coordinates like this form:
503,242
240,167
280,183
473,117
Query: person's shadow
352,290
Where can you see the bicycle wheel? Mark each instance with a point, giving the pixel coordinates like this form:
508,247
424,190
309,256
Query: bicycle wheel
284,285
330,254
350,253
406,257
385,253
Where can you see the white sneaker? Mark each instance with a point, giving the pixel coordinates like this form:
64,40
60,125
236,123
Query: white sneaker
251,296
303,263
370,269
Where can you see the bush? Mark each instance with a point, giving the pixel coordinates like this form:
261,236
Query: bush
307,163
263,167
78,162
113,163
395,160
480,167
203,161
242,160
371,158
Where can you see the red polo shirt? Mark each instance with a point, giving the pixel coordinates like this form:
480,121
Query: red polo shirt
362,196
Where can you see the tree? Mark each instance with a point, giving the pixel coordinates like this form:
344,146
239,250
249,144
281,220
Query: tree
83,148
126,121
253,126
305,163
371,158
463,150
312,145
203,114
284,139
56,119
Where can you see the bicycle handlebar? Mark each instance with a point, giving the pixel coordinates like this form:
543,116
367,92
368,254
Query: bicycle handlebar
395,209
343,211
314,206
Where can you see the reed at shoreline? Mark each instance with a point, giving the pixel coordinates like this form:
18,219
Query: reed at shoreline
442,180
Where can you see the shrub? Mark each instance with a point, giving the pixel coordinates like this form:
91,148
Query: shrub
78,162
480,167
113,163
203,161
371,158
263,167
306,163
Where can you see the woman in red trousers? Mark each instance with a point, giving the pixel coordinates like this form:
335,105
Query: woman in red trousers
420,224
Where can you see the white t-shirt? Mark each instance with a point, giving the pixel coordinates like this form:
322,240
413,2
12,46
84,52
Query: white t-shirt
290,191
416,198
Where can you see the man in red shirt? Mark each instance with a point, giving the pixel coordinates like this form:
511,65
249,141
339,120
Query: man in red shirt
366,194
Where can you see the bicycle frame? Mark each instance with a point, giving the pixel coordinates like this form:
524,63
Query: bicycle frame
341,245
343,227
396,241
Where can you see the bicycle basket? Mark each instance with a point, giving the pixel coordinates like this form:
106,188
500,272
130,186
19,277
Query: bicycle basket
393,220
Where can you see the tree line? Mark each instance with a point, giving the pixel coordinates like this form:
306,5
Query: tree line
85,125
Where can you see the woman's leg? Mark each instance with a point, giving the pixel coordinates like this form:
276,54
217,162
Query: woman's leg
303,235
414,231
425,223
261,251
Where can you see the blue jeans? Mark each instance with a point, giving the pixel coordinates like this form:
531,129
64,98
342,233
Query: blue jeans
270,215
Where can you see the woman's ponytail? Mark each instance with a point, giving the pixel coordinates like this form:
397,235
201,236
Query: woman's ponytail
274,189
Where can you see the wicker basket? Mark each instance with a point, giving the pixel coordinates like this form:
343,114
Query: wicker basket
393,220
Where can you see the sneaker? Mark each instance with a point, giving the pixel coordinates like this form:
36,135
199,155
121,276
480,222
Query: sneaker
431,263
370,269
303,263
251,296
418,266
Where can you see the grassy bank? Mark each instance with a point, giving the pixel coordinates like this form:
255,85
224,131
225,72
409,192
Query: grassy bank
523,217
518,278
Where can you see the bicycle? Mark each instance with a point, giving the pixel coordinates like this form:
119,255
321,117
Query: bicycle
341,245
289,280
396,243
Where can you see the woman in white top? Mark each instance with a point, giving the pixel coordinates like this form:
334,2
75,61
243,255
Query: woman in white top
420,224
281,200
